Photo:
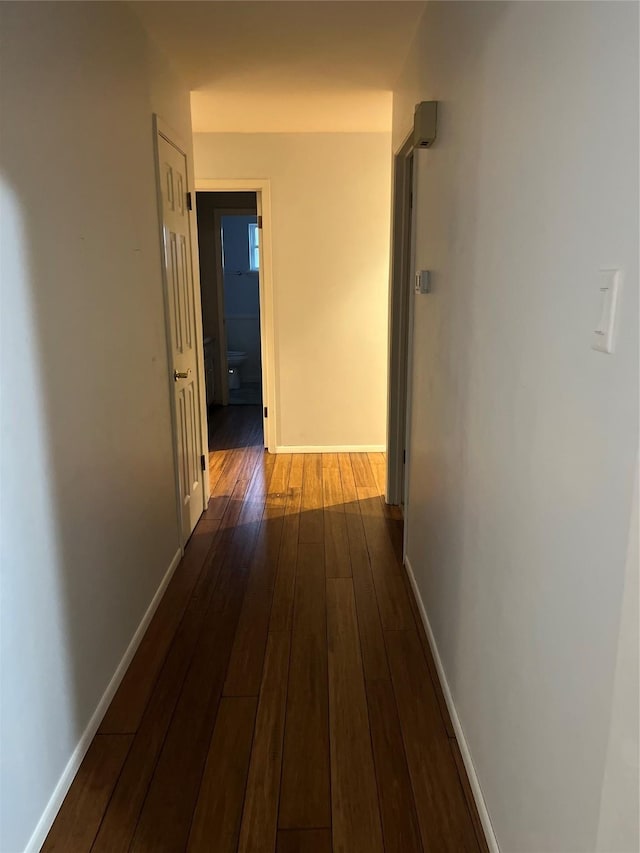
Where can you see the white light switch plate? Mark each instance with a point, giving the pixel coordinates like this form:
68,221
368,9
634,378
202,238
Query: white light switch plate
604,332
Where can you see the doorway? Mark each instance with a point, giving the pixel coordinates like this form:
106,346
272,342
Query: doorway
241,296
400,321
229,240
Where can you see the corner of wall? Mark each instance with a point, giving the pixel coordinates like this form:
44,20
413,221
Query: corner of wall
465,751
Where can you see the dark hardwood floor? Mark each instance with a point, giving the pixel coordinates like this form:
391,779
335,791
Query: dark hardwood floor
283,698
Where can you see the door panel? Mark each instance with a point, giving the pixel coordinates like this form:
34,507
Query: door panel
181,307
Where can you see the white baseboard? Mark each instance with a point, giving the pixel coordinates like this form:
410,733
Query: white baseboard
462,741
64,783
331,448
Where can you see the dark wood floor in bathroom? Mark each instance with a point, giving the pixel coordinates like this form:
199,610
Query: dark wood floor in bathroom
284,697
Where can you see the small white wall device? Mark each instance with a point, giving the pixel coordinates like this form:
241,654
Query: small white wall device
425,124
604,332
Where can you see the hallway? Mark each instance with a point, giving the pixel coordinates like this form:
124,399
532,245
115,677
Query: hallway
284,697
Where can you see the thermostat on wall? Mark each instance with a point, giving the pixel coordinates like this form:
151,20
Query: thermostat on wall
425,121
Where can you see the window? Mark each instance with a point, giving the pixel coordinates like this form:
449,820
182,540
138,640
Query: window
254,247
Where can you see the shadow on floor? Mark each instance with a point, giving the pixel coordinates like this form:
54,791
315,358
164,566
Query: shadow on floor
234,426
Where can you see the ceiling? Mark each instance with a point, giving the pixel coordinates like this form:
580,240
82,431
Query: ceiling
292,65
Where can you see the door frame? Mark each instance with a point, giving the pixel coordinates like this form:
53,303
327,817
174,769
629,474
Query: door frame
161,128
262,189
222,326
399,321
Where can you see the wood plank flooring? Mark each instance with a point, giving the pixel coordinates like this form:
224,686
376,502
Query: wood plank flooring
284,698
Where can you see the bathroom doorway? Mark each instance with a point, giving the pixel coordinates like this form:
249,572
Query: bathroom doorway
240,240
230,264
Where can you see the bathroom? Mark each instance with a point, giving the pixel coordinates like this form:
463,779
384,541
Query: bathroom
240,263
229,253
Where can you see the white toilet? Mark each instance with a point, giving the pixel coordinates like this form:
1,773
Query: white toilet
235,360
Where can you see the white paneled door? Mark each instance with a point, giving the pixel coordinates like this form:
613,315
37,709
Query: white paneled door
181,315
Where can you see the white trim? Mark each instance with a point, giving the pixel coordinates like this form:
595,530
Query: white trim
68,774
331,448
270,395
231,185
489,833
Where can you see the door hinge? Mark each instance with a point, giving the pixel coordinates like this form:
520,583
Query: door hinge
259,222
266,412
203,463
189,202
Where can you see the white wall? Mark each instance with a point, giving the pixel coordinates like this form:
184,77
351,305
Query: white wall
88,519
330,213
618,824
524,439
